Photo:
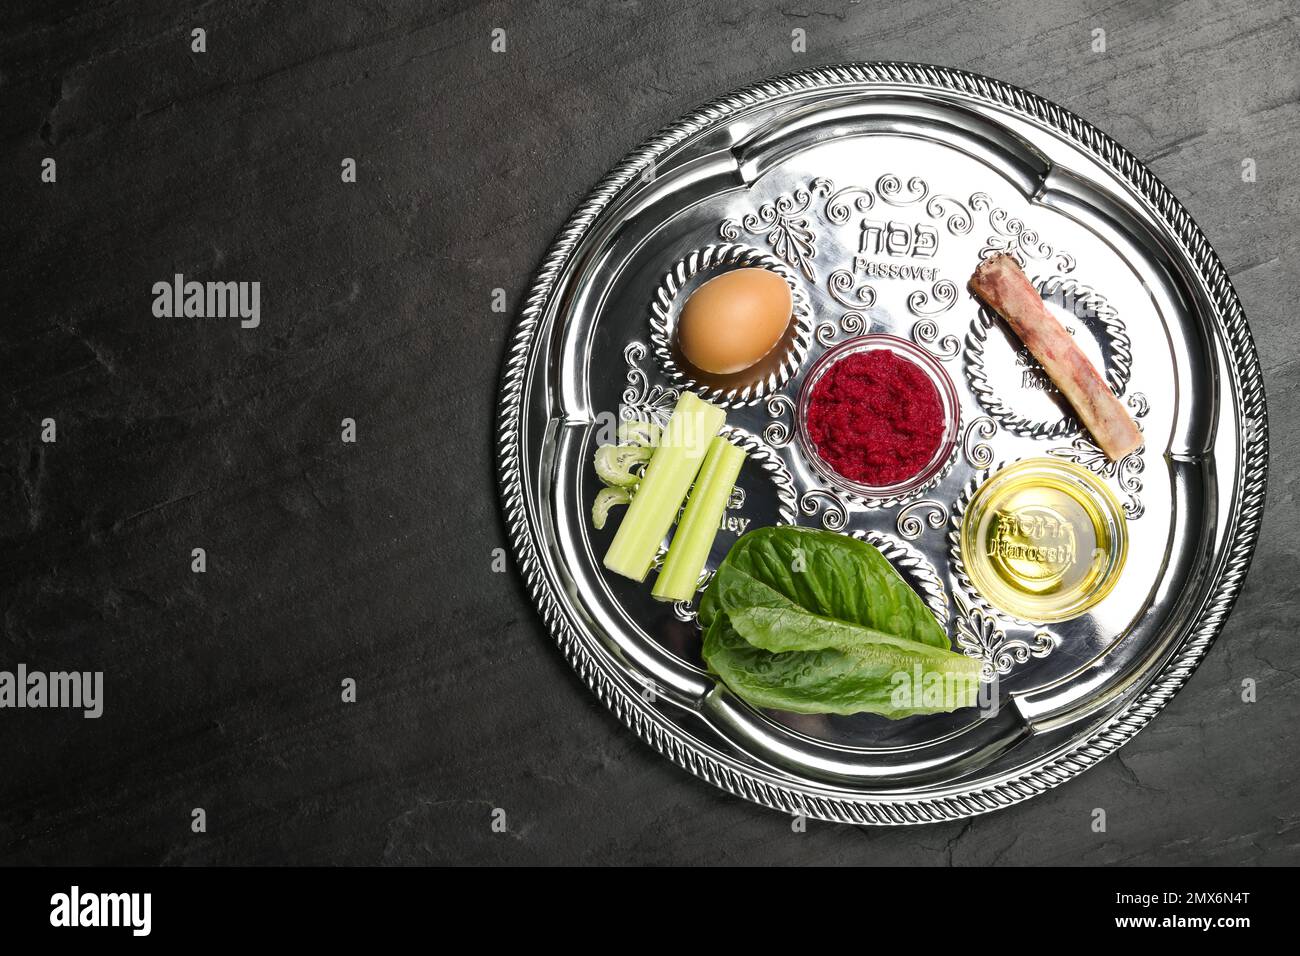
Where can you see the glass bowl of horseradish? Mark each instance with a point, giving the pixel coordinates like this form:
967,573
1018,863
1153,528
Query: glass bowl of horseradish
878,418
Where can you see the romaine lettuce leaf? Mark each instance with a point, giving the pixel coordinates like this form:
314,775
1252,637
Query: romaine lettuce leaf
828,574
810,621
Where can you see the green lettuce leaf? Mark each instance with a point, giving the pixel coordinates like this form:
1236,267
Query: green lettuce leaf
814,622
827,574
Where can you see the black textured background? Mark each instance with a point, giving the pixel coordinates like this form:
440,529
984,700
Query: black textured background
374,560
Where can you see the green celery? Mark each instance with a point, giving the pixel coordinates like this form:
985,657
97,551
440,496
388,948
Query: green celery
606,499
693,539
638,433
668,477
614,464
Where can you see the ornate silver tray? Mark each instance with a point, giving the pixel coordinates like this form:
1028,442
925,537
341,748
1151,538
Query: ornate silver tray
875,189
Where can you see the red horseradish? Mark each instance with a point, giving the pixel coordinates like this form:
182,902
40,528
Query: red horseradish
875,418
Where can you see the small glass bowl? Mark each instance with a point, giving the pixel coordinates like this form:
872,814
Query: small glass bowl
935,372
1063,512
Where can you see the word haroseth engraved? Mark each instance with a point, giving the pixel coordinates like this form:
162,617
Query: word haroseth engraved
208,300
1033,535
73,690
75,908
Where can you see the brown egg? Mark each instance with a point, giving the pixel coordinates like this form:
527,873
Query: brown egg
733,320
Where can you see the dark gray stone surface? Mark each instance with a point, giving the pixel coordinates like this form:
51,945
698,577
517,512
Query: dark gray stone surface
374,560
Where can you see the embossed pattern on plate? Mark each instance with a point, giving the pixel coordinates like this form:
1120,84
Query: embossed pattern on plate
879,186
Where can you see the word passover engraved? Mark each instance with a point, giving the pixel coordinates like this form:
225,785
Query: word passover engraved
896,240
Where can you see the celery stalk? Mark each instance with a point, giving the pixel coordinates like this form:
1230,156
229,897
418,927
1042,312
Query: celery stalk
606,499
668,477
614,464
693,539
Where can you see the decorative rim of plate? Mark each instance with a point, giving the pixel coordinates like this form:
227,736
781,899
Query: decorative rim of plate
780,793
662,323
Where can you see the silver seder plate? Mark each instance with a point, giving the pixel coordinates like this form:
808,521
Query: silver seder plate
875,189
